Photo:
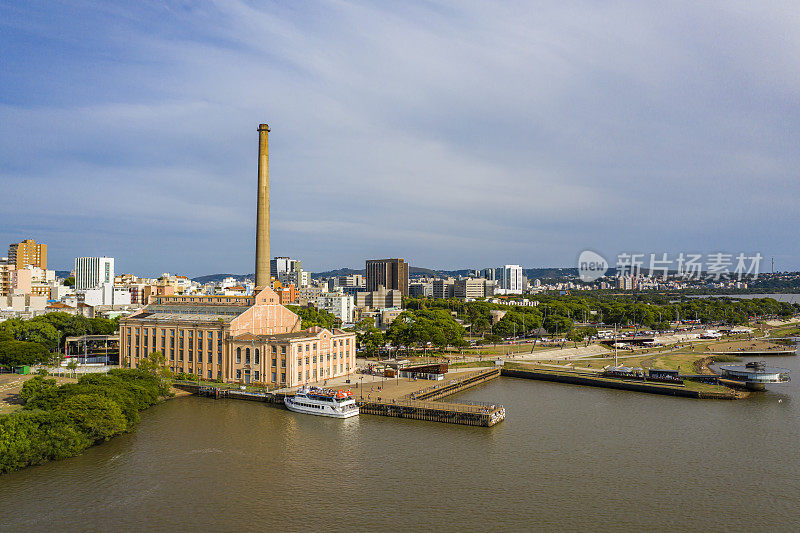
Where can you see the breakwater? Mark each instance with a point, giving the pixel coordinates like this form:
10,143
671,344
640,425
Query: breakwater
593,380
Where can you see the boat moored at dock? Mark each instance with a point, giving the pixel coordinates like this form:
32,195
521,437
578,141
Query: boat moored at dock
323,402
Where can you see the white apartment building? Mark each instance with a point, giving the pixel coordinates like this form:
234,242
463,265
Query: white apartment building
340,304
512,279
92,272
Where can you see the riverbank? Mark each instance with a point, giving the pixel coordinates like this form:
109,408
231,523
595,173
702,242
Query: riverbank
61,420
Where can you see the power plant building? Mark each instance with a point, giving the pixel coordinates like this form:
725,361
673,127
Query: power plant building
239,339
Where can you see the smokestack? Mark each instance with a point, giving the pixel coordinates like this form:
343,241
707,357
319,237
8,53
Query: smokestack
262,216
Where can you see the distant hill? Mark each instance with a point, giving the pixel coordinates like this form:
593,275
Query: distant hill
414,272
219,277
338,272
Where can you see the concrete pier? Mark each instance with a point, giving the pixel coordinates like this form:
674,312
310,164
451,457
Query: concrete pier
418,405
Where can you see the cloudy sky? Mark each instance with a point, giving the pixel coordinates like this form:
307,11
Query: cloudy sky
455,134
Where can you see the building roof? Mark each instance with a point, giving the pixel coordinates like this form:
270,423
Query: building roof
190,313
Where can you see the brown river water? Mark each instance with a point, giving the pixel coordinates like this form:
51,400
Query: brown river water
566,458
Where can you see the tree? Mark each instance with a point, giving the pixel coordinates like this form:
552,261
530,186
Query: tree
35,386
369,338
311,316
156,365
557,324
69,282
99,418
72,365
17,353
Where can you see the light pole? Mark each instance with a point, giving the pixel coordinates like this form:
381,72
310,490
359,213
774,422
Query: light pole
362,386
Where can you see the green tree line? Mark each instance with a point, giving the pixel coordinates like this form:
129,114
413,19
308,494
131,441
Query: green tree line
60,421
30,342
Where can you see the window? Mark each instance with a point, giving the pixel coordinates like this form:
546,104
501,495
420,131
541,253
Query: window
219,358
299,348
307,361
274,377
181,333
191,333
238,356
315,359
334,343
299,376
256,359
274,362
283,377
180,355
191,354
238,373
199,357
209,374
283,350
180,345
283,363
299,361
172,355
315,345
255,375
199,344
274,349
329,358
199,334
307,349
308,374
247,356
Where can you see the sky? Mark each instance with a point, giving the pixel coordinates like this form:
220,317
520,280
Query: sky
453,134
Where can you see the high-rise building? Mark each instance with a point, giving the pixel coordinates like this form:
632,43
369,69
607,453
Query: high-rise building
283,264
389,273
512,279
28,252
443,288
93,272
488,273
469,288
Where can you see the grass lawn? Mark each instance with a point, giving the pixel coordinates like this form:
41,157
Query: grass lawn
473,364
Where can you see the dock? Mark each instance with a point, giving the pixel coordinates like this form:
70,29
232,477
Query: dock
422,404
468,414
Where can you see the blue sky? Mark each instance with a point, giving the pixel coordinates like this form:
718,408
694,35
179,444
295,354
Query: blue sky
454,134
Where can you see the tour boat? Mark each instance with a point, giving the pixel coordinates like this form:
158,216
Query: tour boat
324,402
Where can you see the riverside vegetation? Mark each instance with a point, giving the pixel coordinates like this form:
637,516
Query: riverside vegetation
60,421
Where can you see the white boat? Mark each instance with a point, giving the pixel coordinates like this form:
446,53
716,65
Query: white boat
323,402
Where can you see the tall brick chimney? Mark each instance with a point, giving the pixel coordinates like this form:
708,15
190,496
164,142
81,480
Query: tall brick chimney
262,214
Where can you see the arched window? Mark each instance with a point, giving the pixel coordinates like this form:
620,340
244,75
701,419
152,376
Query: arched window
247,356
238,355
257,361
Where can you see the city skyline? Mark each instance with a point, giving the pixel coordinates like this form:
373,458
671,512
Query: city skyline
479,137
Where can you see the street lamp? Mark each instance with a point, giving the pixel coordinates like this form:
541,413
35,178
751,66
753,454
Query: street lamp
362,386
